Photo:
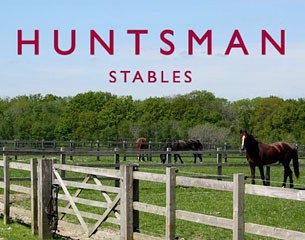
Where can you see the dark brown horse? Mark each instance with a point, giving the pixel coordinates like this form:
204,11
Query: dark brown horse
259,154
183,145
141,144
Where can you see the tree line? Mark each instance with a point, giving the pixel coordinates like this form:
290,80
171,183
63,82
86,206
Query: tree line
108,117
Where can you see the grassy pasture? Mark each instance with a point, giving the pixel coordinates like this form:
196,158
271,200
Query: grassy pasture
260,210
16,231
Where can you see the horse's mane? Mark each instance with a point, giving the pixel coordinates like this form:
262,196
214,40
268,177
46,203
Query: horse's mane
251,144
251,138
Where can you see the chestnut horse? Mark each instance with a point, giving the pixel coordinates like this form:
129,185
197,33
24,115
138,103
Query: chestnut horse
183,145
259,154
141,144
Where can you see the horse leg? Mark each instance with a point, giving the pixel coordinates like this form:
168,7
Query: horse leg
200,157
180,158
163,158
291,185
261,170
252,169
175,158
287,173
285,177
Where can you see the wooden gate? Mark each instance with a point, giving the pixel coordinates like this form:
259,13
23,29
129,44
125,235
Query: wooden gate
109,201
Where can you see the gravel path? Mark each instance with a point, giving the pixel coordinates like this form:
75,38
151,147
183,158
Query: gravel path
66,230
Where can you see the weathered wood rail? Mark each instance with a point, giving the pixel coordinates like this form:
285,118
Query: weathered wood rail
125,204
239,190
98,148
120,155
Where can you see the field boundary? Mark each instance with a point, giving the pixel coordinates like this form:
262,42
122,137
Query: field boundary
126,205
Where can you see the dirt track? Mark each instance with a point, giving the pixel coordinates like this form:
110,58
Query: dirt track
65,229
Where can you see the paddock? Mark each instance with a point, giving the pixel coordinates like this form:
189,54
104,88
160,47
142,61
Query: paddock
118,184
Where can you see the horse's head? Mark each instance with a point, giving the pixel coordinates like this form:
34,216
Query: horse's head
248,142
194,145
243,135
198,145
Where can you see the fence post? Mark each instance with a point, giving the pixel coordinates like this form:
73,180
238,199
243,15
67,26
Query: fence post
62,160
117,164
6,179
169,155
135,197
34,202
44,191
126,202
170,216
97,149
15,147
71,148
225,152
124,150
149,149
238,206
219,164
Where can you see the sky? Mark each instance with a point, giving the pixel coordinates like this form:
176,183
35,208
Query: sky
234,76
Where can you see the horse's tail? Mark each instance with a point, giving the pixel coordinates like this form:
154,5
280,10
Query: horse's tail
296,163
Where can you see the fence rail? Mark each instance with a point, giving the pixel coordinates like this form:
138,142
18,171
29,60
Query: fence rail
126,205
99,145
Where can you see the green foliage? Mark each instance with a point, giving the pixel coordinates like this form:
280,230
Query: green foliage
104,116
272,119
209,133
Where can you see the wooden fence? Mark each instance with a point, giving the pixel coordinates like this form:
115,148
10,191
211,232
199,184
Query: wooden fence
100,145
89,145
122,205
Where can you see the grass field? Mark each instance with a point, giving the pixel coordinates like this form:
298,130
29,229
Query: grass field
260,210
16,231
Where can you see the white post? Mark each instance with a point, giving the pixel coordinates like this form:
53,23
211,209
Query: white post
168,155
62,160
44,193
219,163
170,203
34,200
238,206
126,186
6,179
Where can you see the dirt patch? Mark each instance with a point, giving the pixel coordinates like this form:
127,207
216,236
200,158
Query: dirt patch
66,230
75,232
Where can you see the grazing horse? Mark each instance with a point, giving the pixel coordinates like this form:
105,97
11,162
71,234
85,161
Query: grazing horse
141,144
260,154
183,145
